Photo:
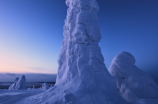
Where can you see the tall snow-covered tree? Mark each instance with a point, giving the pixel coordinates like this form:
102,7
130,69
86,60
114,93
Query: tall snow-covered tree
82,76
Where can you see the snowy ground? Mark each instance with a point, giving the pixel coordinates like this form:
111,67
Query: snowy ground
14,96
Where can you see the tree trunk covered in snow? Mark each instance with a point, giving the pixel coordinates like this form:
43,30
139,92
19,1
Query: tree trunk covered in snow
82,76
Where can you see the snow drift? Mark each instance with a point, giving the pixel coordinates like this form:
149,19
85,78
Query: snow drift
20,84
82,76
132,82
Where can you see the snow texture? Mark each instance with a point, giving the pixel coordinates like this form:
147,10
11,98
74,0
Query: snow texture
45,86
82,76
14,96
132,82
20,84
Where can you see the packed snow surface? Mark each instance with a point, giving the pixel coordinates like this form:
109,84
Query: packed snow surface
14,96
132,83
82,76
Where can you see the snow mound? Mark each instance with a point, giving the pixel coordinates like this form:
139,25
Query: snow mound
82,76
45,86
12,87
132,82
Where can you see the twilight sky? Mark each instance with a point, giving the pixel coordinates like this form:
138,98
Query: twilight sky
31,32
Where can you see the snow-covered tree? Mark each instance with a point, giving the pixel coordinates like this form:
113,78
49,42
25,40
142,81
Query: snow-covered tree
21,83
82,76
45,86
132,83
12,87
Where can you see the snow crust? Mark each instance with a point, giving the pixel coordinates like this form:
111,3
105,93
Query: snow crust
20,84
132,83
82,76
45,86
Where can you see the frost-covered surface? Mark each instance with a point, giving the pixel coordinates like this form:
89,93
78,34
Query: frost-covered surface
14,96
45,86
132,82
20,84
82,76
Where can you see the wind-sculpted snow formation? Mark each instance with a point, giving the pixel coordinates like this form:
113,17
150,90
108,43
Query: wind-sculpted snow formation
82,76
132,83
45,86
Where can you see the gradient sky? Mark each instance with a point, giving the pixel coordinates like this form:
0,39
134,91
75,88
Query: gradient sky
31,32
